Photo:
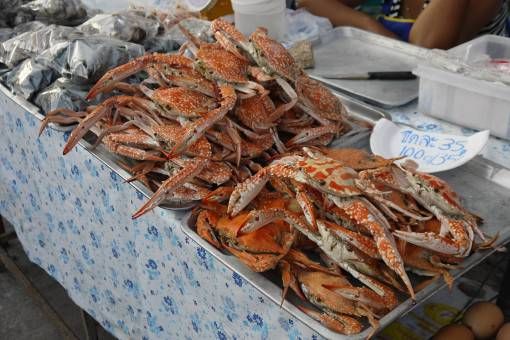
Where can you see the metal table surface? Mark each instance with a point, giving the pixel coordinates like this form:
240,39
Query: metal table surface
142,278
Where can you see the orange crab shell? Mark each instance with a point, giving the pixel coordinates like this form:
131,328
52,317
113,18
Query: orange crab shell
186,101
223,64
254,111
274,54
356,159
320,98
336,177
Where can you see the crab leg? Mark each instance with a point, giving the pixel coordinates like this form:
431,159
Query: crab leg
229,37
339,323
236,139
110,78
92,118
192,168
460,245
365,214
196,130
361,242
312,133
68,116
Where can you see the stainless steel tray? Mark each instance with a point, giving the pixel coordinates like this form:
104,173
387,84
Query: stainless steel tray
351,50
485,190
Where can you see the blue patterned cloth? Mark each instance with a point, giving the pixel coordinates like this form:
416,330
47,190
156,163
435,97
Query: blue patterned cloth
141,279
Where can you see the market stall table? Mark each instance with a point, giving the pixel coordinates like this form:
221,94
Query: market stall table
139,278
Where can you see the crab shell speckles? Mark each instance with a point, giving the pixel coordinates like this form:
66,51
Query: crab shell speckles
187,102
272,56
218,64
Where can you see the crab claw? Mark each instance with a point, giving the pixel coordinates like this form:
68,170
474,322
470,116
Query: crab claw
205,222
112,77
431,241
360,241
339,323
229,37
169,185
366,215
197,129
92,118
310,134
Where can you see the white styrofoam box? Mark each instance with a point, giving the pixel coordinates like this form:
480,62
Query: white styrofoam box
464,100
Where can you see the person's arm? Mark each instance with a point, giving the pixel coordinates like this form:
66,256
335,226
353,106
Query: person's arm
444,23
341,14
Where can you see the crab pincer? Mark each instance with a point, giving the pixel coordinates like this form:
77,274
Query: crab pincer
112,77
197,128
191,169
92,118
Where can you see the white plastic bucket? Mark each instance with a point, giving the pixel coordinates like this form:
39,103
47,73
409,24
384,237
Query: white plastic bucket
250,14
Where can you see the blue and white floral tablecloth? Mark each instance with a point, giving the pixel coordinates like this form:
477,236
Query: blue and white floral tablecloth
141,279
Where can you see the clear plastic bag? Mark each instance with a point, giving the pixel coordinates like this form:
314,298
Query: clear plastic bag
28,78
62,93
302,25
199,28
6,33
86,59
68,12
30,44
127,26
31,26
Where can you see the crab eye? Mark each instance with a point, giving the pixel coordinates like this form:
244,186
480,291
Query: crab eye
321,182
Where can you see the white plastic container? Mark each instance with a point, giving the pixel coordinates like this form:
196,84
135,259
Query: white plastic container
464,100
250,14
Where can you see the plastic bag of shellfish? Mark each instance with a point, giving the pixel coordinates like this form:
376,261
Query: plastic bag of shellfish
161,43
63,93
11,13
31,26
86,59
63,12
28,78
30,44
6,33
127,26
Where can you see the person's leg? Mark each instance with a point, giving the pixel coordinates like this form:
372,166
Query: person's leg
340,13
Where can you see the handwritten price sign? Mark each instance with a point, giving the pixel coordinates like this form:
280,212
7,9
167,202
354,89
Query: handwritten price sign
432,151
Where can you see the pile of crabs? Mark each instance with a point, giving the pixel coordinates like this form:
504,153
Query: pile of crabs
240,127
